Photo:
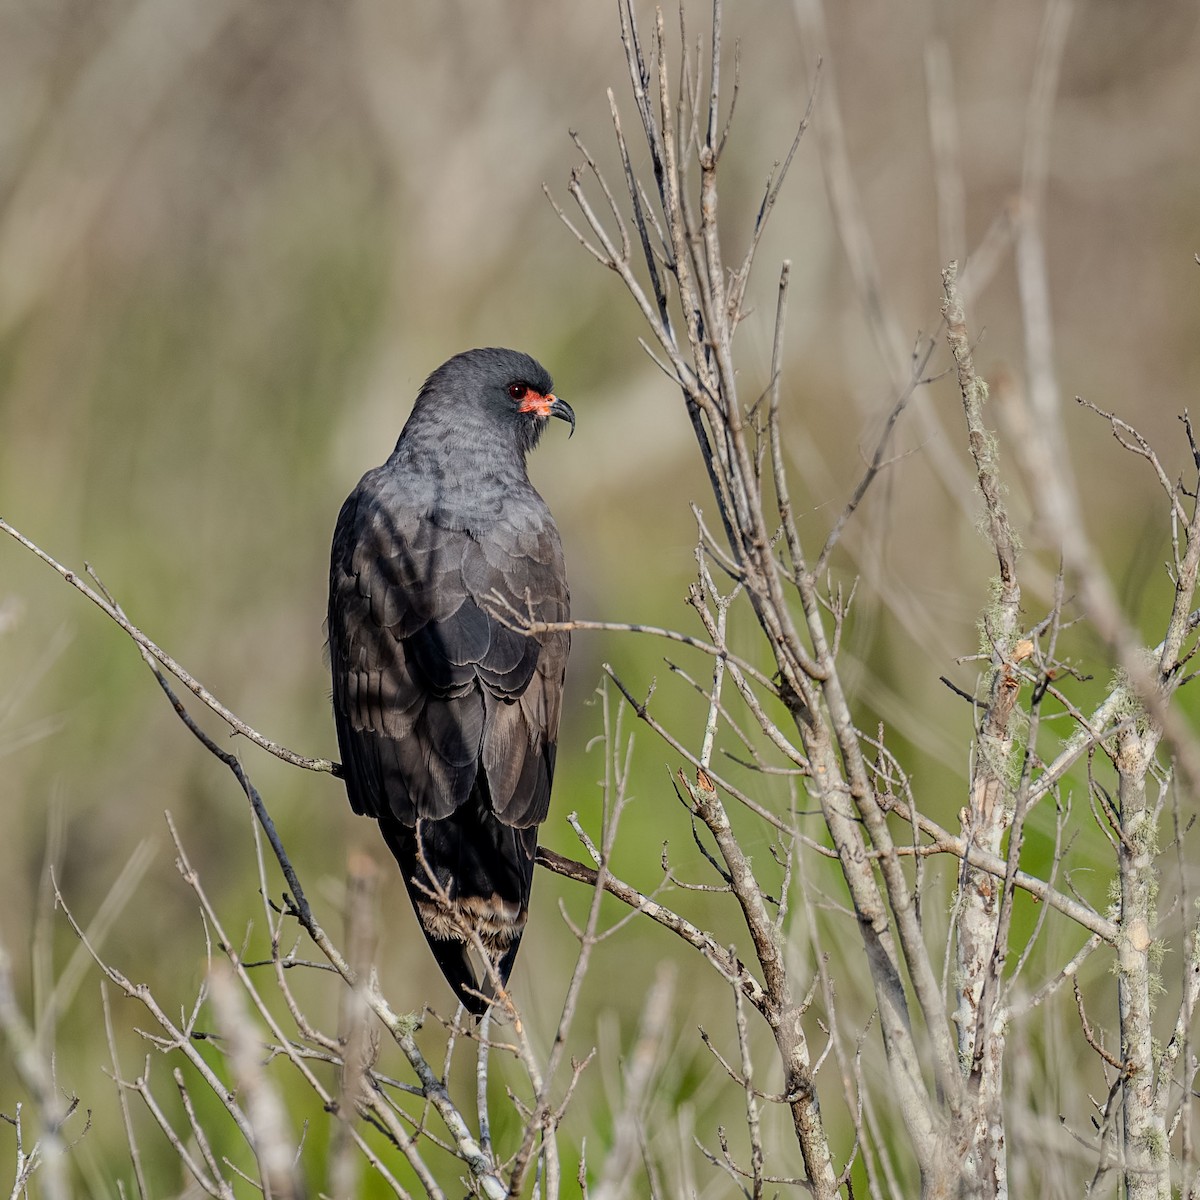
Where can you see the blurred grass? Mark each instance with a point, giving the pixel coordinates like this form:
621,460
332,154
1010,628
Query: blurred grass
229,252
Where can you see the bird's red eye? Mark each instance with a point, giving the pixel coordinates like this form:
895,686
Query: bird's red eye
518,391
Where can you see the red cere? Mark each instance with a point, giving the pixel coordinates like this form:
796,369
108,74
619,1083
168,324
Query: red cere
535,402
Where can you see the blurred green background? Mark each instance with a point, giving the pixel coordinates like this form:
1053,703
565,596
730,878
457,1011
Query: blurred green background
236,235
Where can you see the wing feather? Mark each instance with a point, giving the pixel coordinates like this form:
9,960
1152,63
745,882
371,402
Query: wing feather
430,682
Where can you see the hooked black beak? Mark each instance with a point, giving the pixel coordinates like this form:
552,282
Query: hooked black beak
561,409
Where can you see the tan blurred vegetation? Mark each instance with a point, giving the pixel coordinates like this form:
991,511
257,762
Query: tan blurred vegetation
234,237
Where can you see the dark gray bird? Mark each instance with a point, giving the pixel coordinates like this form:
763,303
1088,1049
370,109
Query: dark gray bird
447,717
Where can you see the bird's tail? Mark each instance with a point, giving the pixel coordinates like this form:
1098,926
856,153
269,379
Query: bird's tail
453,956
468,876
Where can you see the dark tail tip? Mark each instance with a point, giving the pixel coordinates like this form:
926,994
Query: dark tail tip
452,957
476,996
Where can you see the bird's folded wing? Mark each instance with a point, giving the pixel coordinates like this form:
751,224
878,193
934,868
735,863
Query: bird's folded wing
431,672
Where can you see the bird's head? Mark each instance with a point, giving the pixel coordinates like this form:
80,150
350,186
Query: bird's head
505,392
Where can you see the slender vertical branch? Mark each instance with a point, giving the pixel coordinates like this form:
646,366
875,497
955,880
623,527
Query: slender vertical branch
989,814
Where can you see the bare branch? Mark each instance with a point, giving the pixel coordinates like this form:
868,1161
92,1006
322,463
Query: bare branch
197,689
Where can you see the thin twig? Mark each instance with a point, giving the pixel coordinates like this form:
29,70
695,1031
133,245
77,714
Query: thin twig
193,685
